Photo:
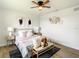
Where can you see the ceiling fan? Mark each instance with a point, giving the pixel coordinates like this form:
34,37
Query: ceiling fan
41,4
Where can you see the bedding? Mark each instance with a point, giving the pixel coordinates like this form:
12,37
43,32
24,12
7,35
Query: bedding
22,43
24,39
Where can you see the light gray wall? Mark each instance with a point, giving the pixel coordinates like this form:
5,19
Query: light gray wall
9,18
66,33
2,32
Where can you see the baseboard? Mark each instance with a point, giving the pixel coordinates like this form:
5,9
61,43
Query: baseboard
1,45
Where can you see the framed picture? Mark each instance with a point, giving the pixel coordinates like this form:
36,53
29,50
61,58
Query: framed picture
55,20
29,22
20,21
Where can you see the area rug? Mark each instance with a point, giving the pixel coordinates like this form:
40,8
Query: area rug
16,53
49,53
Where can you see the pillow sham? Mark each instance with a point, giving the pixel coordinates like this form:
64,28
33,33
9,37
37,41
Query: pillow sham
29,34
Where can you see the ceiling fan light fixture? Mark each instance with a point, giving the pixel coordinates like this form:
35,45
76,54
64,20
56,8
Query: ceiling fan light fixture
40,4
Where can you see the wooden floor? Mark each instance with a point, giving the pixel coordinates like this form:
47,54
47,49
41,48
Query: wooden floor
4,51
64,52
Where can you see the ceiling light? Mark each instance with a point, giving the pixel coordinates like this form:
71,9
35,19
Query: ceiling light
40,8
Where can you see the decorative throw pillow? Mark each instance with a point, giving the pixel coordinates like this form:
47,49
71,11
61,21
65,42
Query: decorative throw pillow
44,42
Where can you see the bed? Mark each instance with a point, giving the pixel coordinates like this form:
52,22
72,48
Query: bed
24,39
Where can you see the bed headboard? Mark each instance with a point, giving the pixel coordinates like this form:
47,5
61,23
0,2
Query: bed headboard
17,29
33,29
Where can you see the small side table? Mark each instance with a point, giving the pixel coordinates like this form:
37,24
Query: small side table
10,40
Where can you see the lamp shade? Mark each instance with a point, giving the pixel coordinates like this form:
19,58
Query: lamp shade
37,29
10,29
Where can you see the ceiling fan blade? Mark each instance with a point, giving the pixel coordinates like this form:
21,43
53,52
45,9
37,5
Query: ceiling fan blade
45,2
46,6
35,2
34,7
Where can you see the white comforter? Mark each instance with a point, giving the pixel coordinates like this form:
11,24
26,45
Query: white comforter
22,43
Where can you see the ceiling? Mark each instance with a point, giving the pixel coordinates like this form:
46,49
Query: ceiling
24,5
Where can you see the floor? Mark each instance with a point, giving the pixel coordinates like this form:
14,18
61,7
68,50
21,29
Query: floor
4,51
64,52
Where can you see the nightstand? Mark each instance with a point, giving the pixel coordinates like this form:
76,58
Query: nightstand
10,40
40,50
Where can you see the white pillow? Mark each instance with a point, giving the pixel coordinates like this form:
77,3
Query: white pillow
29,34
22,33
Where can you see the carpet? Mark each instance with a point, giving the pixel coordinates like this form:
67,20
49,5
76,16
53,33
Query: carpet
16,53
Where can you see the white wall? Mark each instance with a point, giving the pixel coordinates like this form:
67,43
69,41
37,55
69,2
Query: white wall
1,28
66,33
9,18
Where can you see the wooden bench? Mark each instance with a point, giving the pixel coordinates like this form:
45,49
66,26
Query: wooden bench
41,50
